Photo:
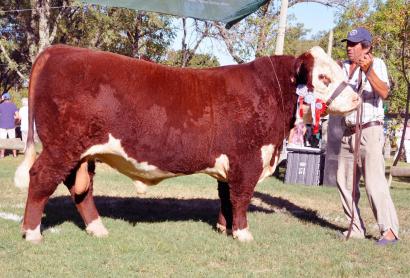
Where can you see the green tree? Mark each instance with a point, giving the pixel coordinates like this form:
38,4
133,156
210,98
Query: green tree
174,58
127,32
392,28
27,27
295,44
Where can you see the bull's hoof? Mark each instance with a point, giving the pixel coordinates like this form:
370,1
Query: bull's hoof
33,236
223,230
243,235
140,187
96,228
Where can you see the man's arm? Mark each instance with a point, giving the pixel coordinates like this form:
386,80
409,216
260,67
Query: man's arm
380,87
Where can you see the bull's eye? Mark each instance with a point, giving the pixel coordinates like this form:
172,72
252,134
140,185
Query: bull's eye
325,79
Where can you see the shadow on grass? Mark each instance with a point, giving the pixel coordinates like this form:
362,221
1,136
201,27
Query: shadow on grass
133,210
305,215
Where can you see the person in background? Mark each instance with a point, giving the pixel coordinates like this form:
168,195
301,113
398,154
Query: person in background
23,116
362,70
8,115
324,131
296,135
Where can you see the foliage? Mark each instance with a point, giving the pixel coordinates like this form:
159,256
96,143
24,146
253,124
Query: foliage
391,24
197,61
295,44
127,32
27,28
40,23
8,66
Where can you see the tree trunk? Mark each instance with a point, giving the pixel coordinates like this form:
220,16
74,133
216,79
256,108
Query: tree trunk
188,52
184,48
42,32
280,39
330,43
263,33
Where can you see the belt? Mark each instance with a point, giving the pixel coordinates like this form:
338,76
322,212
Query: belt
352,129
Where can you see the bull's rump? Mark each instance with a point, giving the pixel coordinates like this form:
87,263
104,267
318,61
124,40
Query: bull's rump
180,120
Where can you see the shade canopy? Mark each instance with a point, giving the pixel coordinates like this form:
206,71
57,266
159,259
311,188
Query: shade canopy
227,11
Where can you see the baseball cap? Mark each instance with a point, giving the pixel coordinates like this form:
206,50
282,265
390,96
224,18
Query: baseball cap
6,96
358,35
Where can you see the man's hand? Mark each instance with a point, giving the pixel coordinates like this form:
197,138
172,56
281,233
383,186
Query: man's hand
365,62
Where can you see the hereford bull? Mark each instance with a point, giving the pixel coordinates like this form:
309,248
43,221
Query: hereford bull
152,122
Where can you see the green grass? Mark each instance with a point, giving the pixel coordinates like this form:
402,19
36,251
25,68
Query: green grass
169,232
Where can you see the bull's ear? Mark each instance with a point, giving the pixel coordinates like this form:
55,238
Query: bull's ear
304,69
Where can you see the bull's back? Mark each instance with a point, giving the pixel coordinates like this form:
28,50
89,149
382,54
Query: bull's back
124,85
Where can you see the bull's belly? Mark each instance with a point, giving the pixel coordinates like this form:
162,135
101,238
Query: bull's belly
113,154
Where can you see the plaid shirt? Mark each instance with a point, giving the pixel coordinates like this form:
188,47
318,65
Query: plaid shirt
372,103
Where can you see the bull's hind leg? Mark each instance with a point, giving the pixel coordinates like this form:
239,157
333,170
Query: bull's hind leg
224,224
45,175
84,201
82,178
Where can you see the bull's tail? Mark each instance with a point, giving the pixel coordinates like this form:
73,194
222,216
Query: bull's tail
22,175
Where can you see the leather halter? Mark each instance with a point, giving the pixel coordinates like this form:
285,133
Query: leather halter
337,92
341,87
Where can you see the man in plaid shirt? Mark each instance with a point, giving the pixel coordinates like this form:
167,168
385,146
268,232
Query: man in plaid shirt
362,70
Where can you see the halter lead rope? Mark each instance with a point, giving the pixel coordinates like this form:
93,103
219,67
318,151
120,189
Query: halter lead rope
357,138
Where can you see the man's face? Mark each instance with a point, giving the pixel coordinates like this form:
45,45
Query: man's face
355,51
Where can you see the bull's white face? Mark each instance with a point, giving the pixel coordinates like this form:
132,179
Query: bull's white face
327,75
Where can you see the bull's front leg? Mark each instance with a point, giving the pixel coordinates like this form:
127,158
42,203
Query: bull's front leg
241,187
240,200
84,200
